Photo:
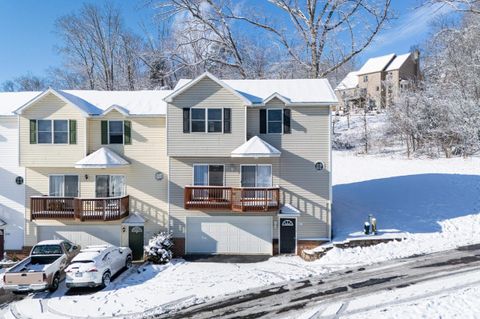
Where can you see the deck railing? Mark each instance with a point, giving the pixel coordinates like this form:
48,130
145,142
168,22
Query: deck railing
83,209
239,199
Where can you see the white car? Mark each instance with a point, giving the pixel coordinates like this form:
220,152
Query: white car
95,265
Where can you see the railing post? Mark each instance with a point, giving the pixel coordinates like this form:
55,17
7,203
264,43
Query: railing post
104,209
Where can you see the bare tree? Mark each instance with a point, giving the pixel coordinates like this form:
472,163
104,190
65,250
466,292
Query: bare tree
27,82
469,6
319,37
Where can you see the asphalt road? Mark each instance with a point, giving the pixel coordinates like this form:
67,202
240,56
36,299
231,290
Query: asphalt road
294,296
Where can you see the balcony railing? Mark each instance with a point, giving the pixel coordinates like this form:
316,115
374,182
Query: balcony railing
239,199
83,209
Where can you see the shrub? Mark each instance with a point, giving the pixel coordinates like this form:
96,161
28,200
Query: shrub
158,250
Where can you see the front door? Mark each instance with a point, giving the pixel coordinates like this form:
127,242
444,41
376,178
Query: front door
135,241
288,236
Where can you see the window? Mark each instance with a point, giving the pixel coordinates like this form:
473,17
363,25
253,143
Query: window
208,175
63,185
365,78
110,186
206,120
215,120
115,132
44,131
256,175
274,120
52,131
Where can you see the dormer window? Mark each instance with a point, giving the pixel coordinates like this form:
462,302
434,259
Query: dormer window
115,132
274,120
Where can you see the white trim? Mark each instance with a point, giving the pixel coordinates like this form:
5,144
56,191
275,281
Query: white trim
63,175
169,98
117,108
208,174
330,171
280,237
281,121
206,119
256,165
52,125
277,95
123,132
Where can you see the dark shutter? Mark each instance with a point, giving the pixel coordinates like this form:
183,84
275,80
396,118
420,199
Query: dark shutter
263,121
127,132
104,132
73,131
286,121
227,120
186,120
33,131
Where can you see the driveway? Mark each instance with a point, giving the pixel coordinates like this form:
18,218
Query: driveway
230,259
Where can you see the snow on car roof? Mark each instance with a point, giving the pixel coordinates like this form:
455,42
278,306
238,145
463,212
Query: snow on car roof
51,242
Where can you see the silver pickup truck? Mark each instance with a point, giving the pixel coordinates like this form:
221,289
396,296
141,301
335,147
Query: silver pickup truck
43,269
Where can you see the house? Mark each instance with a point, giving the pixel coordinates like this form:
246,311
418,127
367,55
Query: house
227,166
377,83
95,165
250,165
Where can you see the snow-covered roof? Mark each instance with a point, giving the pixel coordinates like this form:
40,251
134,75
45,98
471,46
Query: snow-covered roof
255,147
296,91
376,64
145,102
349,82
102,158
398,62
134,218
288,209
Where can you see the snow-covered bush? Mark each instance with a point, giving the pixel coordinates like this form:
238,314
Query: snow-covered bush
159,247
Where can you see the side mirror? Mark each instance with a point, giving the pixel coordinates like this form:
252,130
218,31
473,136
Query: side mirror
74,247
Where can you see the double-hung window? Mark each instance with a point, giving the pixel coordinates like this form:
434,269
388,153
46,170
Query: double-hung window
110,186
115,132
208,175
198,120
63,185
207,120
214,124
274,120
52,131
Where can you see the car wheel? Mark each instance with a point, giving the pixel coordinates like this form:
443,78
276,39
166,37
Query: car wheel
128,262
55,283
106,279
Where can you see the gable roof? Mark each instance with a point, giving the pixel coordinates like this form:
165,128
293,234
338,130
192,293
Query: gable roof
179,89
291,91
376,64
90,102
398,62
349,82
255,147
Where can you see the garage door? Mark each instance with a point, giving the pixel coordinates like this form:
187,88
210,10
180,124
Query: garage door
229,235
82,234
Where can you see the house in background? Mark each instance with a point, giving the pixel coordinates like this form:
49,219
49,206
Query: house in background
95,164
250,165
378,82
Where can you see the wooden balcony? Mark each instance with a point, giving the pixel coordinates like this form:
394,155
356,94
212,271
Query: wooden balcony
238,199
83,209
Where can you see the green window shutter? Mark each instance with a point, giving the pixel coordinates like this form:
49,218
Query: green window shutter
104,132
33,131
73,131
127,132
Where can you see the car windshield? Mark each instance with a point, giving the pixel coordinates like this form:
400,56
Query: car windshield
47,250
82,262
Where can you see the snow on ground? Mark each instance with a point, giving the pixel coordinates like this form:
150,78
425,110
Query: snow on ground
433,203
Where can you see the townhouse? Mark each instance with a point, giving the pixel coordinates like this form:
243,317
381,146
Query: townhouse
227,166
379,81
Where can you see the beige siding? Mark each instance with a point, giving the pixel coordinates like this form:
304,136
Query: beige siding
374,82
205,93
182,175
51,155
147,155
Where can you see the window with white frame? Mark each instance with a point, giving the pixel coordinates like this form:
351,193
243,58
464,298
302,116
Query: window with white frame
208,175
208,120
52,131
63,185
256,175
274,120
110,186
115,132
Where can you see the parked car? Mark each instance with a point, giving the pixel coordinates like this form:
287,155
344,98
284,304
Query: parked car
43,269
95,265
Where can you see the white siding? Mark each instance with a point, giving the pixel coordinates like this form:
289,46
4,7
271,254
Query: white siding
12,196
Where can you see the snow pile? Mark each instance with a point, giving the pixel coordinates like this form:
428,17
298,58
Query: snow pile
159,247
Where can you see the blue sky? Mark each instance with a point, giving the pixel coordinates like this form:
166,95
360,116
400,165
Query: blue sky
28,38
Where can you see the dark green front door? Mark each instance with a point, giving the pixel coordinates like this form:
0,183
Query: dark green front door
135,241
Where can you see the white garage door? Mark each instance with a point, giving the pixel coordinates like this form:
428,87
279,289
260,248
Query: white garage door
82,234
229,235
